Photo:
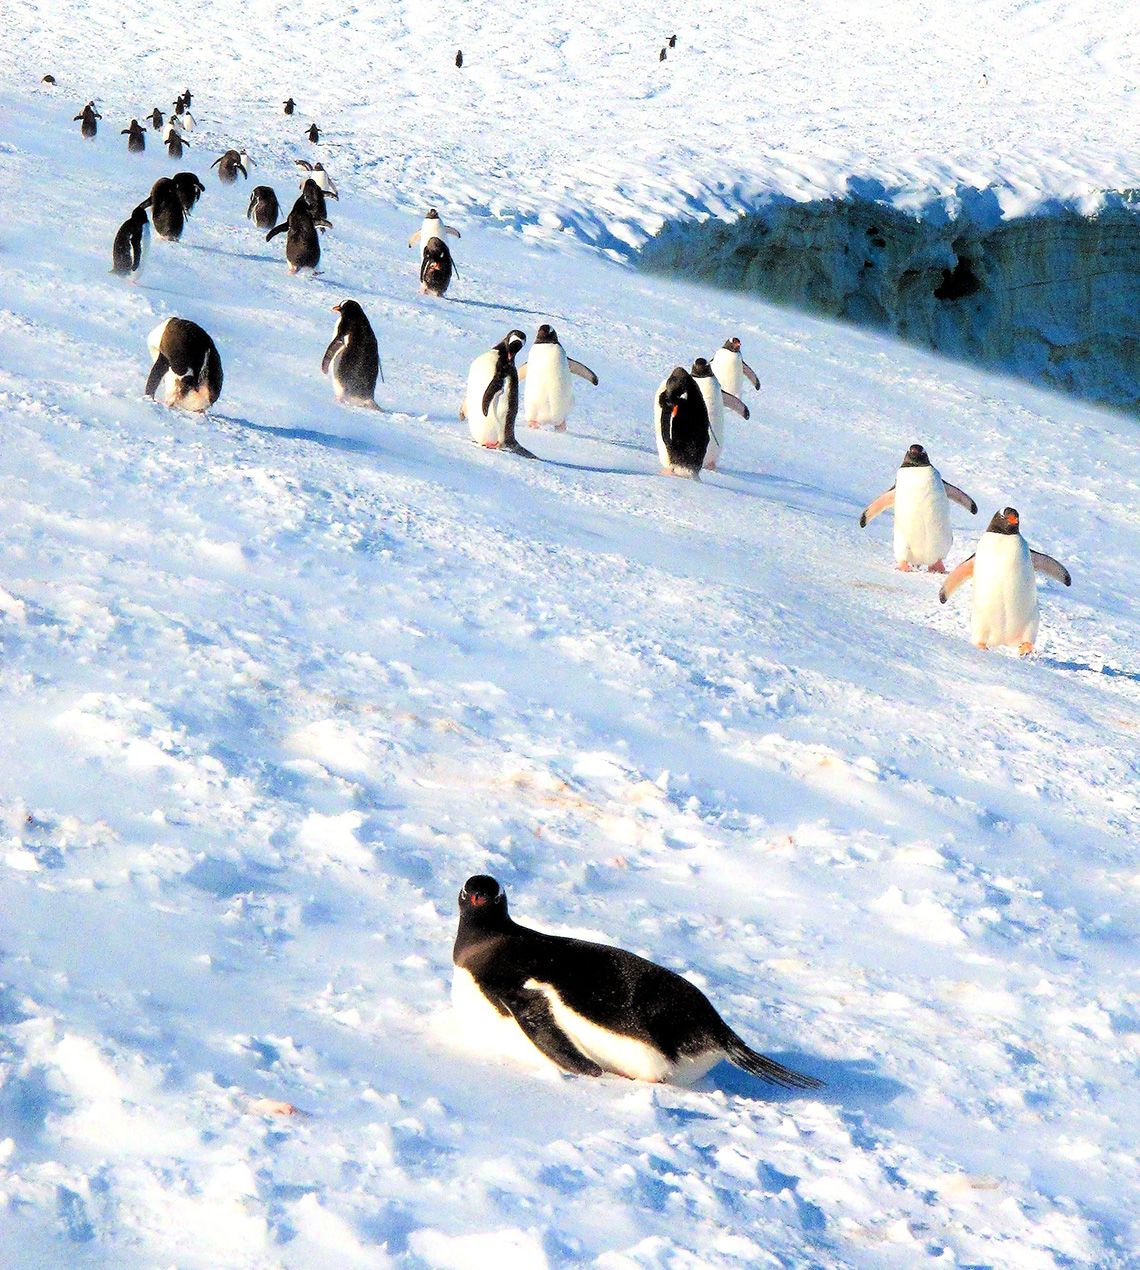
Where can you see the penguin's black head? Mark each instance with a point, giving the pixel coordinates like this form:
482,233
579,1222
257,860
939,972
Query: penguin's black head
733,345
349,310
1007,521
677,386
482,898
915,456
514,340
701,368
432,214
546,334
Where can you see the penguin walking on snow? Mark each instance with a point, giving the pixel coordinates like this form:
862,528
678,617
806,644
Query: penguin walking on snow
313,198
186,364
716,400
189,190
732,370
314,133
1005,607
921,499
590,1008
548,374
129,247
183,120
459,60
229,165
681,424
352,359
166,211
303,244
156,119
264,209
436,267
290,106
175,145
136,137
319,174
86,120
491,403
432,227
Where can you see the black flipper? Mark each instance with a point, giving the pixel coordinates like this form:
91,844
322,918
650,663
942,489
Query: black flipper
277,229
960,497
497,381
583,372
531,1011
160,367
750,374
330,353
1054,568
766,1068
510,441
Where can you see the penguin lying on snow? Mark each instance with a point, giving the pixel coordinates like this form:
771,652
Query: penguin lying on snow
590,1008
548,374
681,424
436,268
264,209
186,363
1005,591
352,359
189,189
432,227
303,244
491,403
731,369
130,243
716,399
921,499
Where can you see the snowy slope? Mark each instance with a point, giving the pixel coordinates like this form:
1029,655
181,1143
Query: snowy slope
275,682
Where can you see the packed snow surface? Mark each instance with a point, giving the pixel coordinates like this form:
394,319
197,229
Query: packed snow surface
275,681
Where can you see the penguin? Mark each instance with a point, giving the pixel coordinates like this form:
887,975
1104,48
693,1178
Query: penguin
314,133
156,119
130,243
589,1008
661,58
86,120
436,267
179,104
681,422
352,359
313,198
175,145
716,399
432,227
136,137
189,189
188,97
1005,591
549,394
303,244
229,165
459,60
921,499
49,80
186,363
290,106
166,211
185,121
171,130
318,174
491,403
672,41
731,369
264,209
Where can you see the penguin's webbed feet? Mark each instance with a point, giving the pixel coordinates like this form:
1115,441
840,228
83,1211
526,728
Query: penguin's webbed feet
1024,648
903,566
937,567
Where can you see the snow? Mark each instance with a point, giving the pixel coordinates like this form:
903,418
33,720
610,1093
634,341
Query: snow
275,681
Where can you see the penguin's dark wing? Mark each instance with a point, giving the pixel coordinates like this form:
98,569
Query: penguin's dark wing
334,347
582,371
735,404
450,229
426,263
955,579
750,375
217,160
277,229
531,1011
242,170
960,497
304,163
879,505
1054,568
160,367
415,238
495,386
767,1069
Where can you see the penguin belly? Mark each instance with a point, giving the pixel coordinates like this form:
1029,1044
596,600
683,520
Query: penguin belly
714,403
922,517
727,367
486,429
490,1031
1005,592
549,392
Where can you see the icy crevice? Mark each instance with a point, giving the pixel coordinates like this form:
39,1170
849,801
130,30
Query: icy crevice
1053,297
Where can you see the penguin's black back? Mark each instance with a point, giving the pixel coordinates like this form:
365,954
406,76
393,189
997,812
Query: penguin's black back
686,435
436,266
166,211
264,208
359,364
313,197
189,189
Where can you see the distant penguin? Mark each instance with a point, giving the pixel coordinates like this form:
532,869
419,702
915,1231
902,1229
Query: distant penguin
303,244
681,424
352,359
432,227
459,59
491,403
264,209
921,499
716,402
189,189
732,370
186,364
156,119
49,80
175,145
314,133
317,173
129,247
167,214
1005,607
229,165
86,120
171,130
314,199
290,106
548,375
179,104
436,267
661,57
136,137
588,1008
672,41
184,120
188,97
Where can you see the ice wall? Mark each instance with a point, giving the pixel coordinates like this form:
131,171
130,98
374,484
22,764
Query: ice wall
1053,297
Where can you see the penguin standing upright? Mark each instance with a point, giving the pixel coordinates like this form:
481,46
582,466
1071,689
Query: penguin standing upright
264,209
716,400
179,104
432,227
290,106
166,211
548,375
183,120
921,499
156,119
189,190
229,165
86,120
136,137
459,60
352,359
589,1008
732,370
313,198
314,133
175,144
681,424
188,97
303,244
130,243
436,267
319,174
1005,609
186,363
491,403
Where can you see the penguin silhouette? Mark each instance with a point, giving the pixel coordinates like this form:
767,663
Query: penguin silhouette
290,106
314,133
459,59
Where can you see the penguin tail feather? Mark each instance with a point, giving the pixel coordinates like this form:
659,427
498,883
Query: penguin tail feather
767,1069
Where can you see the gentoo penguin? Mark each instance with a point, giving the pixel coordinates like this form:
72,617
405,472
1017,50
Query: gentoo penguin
672,41
136,137
590,1008
549,393
184,121
681,424
314,133
175,144
318,174
303,244
352,359
86,119
130,243
189,188
459,60
921,499
186,363
491,404
264,209
290,106
167,214
432,227
716,399
156,119
1005,591
171,130
436,267
661,56
314,199
49,80
229,165
731,369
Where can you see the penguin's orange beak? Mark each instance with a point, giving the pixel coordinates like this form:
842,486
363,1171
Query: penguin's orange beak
335,308
1012,518
674,414
477,900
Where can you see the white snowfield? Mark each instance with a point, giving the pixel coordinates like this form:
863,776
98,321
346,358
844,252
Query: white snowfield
275,681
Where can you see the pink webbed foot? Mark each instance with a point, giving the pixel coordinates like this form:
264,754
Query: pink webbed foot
1024,648
903,566
937,567
532,423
